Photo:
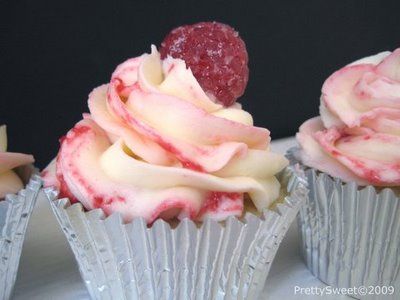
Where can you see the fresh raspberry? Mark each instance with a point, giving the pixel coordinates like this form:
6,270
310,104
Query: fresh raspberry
216,55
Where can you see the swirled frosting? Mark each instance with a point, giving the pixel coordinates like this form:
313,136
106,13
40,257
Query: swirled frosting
155,145
10,183
357,136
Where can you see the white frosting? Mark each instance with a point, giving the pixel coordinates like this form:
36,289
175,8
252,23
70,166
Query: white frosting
155,145
357,137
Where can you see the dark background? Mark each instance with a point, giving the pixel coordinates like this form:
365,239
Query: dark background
53,53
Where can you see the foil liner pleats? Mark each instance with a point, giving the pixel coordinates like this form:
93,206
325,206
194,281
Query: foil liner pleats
212,260
350,235
15,211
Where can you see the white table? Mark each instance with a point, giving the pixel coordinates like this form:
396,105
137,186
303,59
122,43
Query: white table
48,269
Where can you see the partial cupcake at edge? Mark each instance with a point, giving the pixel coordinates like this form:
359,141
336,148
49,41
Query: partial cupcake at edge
350,226
18,192
10,182
166,139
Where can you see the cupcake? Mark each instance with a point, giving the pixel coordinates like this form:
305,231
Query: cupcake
165,189
350,227
16,205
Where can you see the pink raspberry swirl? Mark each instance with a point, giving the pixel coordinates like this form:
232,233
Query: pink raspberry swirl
155,145
357,136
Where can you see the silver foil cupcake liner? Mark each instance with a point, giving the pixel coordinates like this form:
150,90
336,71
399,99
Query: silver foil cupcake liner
15,211
212,260
350,235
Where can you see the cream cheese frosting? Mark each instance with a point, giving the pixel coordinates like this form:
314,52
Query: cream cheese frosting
155,145
357,135
10,183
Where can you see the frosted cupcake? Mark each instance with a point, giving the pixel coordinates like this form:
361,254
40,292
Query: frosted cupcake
16,205
350,226
170,157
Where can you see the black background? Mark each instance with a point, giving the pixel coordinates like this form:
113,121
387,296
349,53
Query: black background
53,53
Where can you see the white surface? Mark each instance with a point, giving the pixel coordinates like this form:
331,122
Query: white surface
48,269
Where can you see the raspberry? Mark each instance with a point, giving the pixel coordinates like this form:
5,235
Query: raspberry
216,55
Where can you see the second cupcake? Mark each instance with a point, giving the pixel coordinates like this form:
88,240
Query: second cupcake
350,227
